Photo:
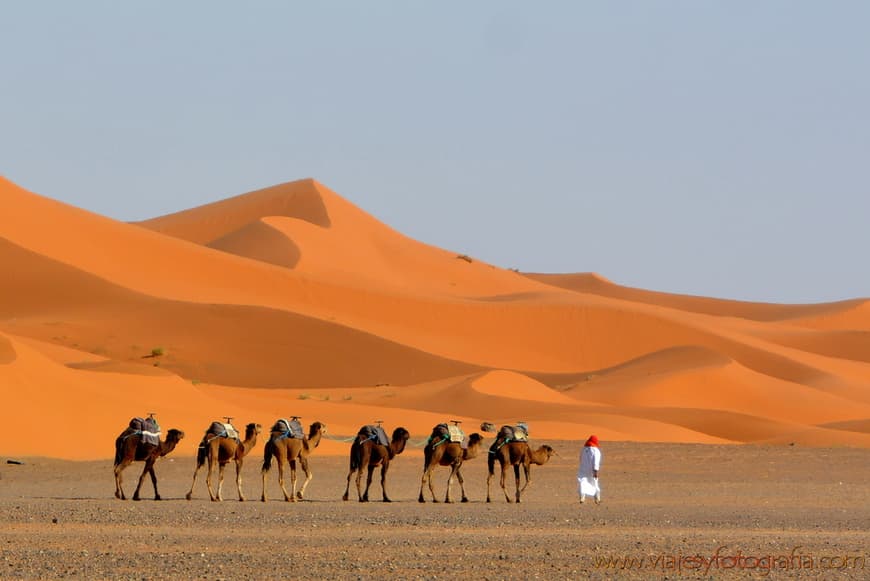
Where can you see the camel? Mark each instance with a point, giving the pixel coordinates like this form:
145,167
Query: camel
223,449
513,454
130,447
288,450
439,451
367,452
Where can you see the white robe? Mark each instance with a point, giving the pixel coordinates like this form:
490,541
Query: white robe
590,459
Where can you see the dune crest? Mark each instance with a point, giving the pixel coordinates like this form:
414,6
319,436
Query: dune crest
293,300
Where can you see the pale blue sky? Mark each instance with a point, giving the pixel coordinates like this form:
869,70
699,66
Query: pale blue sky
713,148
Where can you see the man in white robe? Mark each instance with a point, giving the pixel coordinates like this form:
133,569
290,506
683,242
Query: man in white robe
587,474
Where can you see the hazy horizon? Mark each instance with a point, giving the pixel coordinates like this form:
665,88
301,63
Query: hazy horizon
714,149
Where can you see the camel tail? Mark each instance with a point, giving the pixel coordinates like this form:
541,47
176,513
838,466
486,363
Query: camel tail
119,451
267,456
201,453
355,456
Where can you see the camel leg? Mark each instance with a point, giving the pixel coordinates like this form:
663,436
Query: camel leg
263,473
347,488
517,480
195,472
504,469
449,483
308,476
292,497
267,462
427,471
154,480
461,483
365,496
281,478
527,470
141,480
208,476
220,486
149,470
489,480
119,490
384,468
239,463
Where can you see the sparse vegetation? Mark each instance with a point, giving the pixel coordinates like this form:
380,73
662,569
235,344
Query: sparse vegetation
325,397
347,398
195,381
158,352
464,257
304,396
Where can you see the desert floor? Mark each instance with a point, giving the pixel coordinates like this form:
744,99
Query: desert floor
664,505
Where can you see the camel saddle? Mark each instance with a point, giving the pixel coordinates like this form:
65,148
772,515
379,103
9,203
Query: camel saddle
507,434
221,430
289,429
448,433
375,433
146,428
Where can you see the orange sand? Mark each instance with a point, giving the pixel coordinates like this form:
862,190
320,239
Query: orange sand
292,301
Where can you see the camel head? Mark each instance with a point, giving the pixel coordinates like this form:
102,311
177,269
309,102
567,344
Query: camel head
316,428
544,453
400,437
474,439
173,436
252,429
470,451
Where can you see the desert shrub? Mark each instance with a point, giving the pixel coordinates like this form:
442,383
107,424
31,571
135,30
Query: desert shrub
157,352
464,257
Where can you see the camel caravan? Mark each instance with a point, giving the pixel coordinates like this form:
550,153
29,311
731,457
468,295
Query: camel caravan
288,444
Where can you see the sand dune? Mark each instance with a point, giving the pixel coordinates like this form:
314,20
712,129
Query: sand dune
291,300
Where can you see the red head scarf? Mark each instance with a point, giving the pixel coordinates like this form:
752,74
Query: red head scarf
592,441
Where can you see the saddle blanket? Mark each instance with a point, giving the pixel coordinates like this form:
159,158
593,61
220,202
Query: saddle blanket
375,433
148,429
289,428
456,433
222,430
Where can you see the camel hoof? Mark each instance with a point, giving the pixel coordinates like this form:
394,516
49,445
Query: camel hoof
189,495
344,498
299,496
242,499
157,497
464,499
446,501
262,499
435,500
136,498
387,500
421,499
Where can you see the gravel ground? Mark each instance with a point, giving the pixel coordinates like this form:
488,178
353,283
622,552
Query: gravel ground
668,508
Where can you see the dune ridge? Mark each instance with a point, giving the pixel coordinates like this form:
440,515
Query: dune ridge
291,299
